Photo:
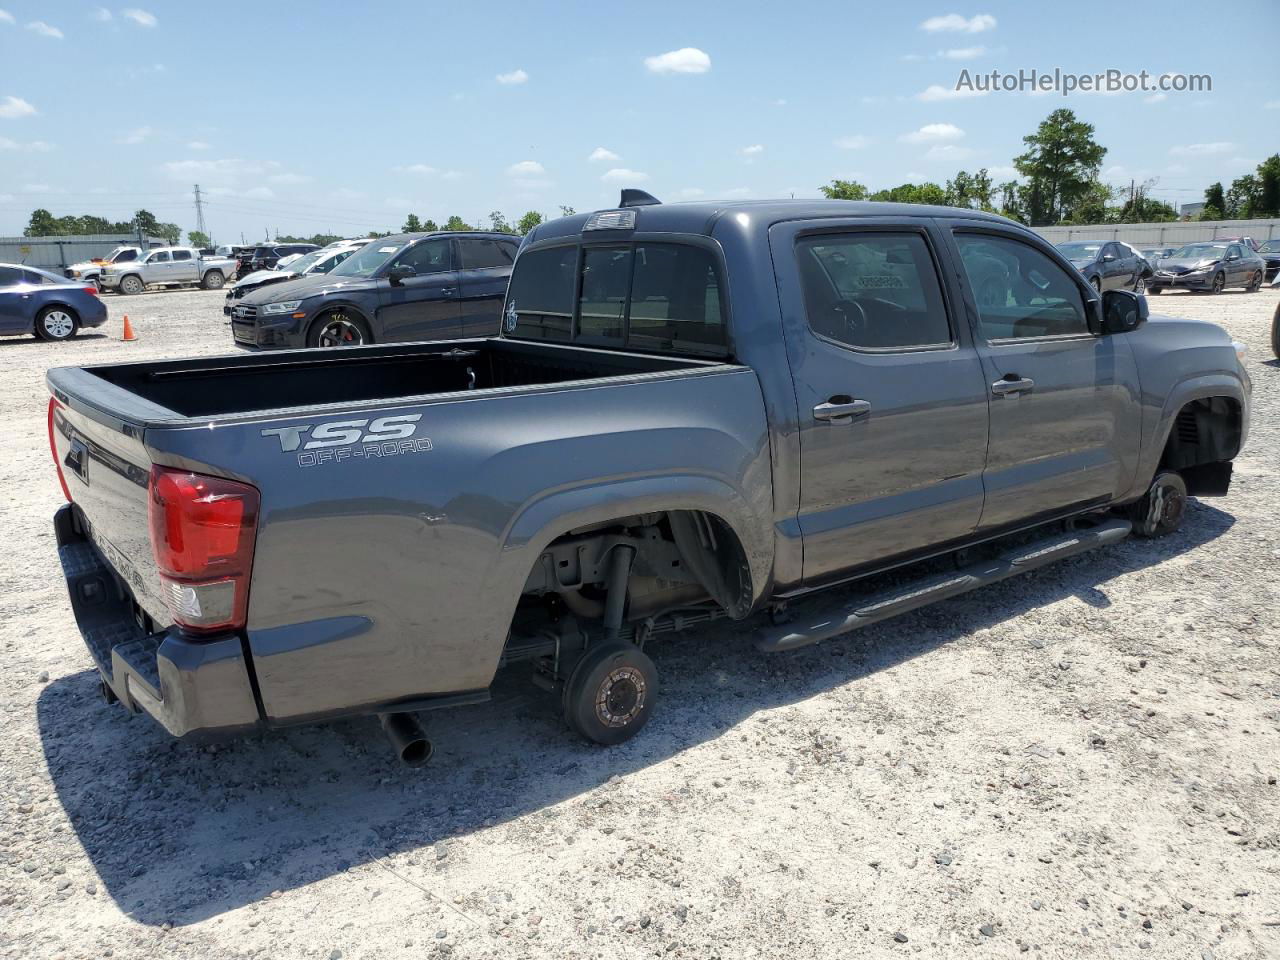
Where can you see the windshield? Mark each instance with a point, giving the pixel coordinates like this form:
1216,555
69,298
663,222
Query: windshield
123,254
1271,246
1200,251
303,263
1079,251
367,261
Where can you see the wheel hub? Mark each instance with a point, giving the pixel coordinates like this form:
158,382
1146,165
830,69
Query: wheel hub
620,697
58,324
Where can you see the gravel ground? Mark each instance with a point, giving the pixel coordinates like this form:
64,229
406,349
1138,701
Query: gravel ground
1078,763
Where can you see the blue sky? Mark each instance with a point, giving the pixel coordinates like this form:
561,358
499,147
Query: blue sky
302,117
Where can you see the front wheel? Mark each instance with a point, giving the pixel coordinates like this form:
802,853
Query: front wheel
213,280
56,323
1255,283
1096,283
338,329
1162,510
1140,286
1219,283
610,694
132,285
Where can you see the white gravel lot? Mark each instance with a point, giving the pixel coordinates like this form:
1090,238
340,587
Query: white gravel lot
1079,763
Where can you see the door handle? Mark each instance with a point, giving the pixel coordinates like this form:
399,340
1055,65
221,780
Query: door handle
841,410
1012,384
448,291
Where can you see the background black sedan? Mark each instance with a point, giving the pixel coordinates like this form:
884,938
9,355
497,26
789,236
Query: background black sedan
414,286
50,307
1270,252
1108,265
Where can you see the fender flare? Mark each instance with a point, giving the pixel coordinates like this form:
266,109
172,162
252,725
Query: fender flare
1184,392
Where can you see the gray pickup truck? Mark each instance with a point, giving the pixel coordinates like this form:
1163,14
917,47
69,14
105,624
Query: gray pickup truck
694,411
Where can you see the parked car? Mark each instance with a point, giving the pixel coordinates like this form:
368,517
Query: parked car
316,262
695,411
1270,253
91,270
1249,242
413,286
1109,265
1211,266
266,256
46,305
168,267
1154,255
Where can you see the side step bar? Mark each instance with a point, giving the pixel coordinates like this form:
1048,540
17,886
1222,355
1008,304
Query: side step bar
834,619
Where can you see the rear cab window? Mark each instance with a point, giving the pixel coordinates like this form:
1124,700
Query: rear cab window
659,297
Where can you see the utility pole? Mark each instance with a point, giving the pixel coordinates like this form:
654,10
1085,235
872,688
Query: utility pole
200,215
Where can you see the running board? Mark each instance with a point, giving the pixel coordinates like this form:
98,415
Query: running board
835,619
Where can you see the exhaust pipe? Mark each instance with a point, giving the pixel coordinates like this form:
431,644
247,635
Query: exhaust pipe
407,737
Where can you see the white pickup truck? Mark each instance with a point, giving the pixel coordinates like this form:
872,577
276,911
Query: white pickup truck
91,270
167,267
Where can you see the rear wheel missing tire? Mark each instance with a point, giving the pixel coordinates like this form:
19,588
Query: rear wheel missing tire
1164,507
610,694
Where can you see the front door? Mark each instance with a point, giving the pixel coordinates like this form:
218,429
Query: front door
15,301
484,267
423,306
1065,406
892,405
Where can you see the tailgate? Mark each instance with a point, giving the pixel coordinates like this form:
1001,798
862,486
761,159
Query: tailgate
105,466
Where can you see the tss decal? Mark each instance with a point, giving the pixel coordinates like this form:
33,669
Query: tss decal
339,440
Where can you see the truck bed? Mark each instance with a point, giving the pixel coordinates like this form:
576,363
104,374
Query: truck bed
221,386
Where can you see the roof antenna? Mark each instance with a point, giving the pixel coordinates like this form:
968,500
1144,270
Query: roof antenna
637,198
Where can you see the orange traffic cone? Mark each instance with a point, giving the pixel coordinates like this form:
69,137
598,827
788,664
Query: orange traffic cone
128,330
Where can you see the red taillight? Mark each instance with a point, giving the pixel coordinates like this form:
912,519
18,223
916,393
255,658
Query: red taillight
54,407
202,534
91,289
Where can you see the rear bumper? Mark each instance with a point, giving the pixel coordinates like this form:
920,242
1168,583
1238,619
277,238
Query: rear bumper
191,687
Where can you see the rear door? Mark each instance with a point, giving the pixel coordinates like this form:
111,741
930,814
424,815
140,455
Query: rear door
182,269
1064,403
15,301
892,399
484,267
425,305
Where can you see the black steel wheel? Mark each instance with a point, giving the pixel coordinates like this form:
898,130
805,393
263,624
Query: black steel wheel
610,693
339,329
1164,507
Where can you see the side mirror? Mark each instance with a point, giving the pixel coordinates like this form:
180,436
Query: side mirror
399,273
1123,311
1233,256
1108,257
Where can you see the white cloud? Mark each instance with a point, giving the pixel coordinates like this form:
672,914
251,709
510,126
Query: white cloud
855,142
452,175
754,150
780,102
691,193
135,136
526,168
514,78
936,92
684,60
33,146
1271,105
38,188
949,152
44,29
422,169
601,155
1155,98
285,179
217,172
1202,149
260,193
1007,173
623,175
6,17
933,133
197,145
102,15
11,108
962,53
141,17
955,23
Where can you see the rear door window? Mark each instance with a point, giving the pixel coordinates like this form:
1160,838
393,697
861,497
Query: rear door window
10,276
481,254
873,291
182,254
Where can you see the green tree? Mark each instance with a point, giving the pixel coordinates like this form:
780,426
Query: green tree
499,222
455,222
972,191
1243,197
412,224
197,239
528,222
911,193
1061,162
146,221
844,190
567,211
1269,187
1010,201
171,232
1215,202
429,226
42,224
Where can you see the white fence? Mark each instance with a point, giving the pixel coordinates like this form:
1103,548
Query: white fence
54,253
1165,234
